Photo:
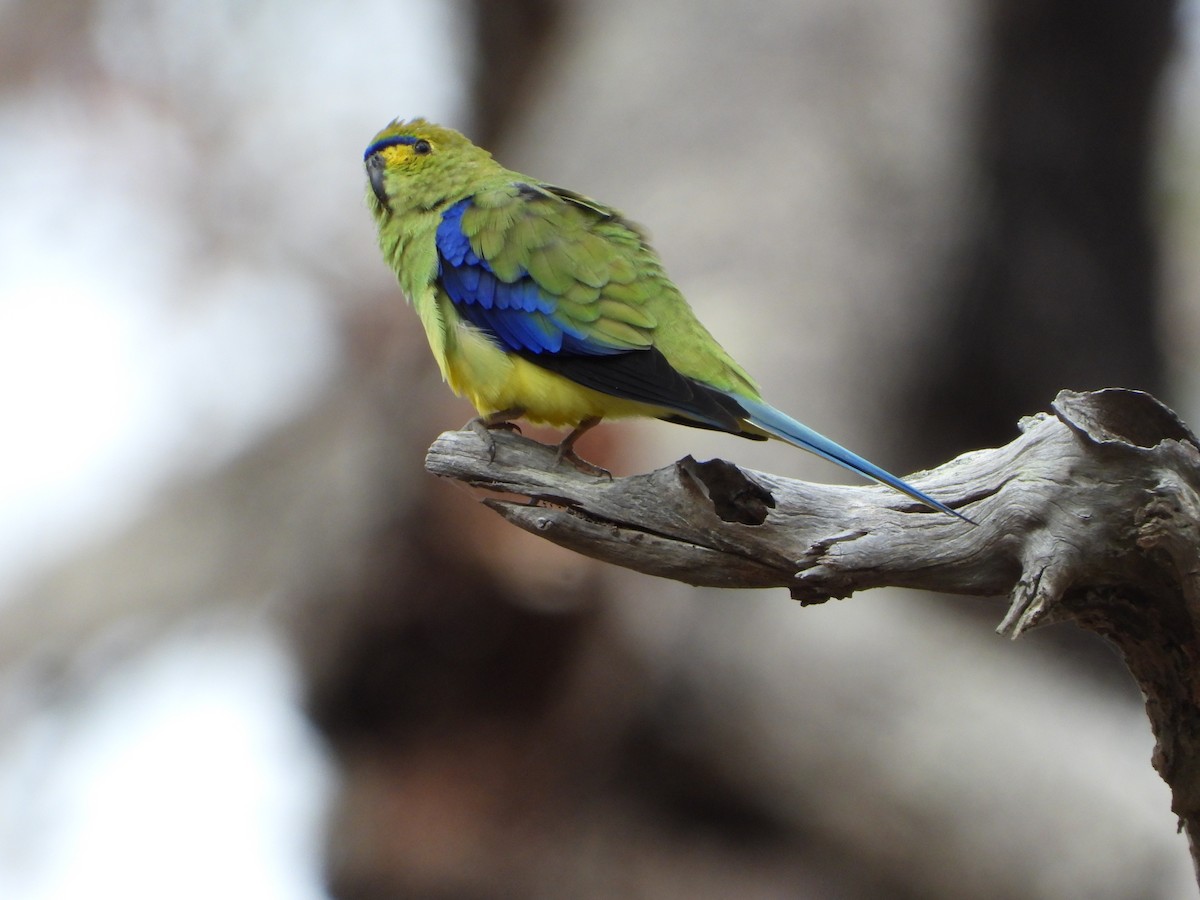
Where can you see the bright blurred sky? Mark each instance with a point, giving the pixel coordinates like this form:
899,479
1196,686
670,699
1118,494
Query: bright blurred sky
185,772
167,238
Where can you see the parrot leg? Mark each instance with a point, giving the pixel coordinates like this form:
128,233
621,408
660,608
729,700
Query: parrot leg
566,450
483,425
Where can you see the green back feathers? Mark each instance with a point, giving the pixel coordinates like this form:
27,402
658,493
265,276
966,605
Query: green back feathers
597,275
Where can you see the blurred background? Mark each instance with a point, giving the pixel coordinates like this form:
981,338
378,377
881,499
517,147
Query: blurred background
249,648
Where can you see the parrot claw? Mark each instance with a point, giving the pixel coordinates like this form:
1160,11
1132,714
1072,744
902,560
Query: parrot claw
566,450
484,425
581,464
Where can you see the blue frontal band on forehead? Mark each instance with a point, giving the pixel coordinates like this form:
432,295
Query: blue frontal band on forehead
384,143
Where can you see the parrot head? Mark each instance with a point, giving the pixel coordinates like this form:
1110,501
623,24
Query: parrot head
417,165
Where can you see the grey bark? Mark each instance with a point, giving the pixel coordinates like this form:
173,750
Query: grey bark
1090,515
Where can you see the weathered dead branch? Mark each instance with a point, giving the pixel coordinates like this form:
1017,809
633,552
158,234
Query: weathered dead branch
1091,515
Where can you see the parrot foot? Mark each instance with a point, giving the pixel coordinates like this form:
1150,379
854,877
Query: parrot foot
584,466
484,425
566,450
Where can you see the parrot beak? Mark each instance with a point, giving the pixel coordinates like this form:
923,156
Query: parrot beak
376,172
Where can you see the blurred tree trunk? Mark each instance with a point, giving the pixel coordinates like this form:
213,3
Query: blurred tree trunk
513,40
1059,282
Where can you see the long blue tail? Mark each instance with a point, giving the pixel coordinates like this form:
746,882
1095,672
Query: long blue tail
784,427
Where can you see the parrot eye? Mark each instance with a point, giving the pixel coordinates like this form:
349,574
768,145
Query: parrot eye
422,148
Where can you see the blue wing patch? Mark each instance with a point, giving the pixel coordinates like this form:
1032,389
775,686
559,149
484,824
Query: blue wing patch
518,314
521,318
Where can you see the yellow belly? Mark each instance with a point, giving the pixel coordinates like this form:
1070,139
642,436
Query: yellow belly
494,380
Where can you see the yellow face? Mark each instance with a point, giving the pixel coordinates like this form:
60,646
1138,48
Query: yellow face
418,165
393,153
402,149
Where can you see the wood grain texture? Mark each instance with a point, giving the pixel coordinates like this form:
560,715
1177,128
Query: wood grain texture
1091,515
